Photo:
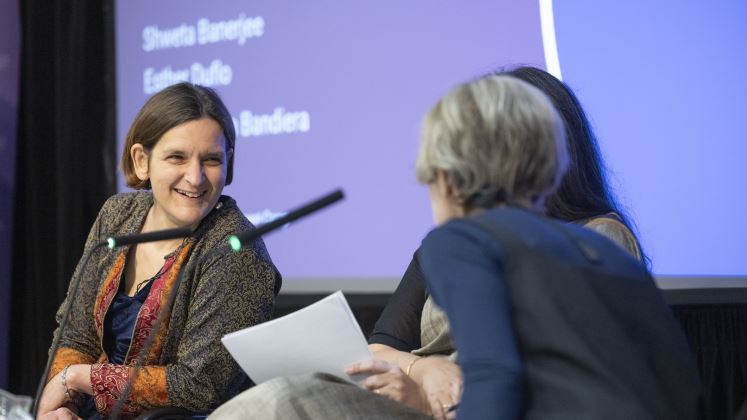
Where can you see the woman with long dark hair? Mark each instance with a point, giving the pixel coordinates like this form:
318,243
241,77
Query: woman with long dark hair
413,332
584,193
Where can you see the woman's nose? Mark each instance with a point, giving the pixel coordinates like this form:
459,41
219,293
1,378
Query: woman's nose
195,173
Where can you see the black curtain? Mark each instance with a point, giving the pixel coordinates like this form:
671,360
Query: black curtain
717,334
65,167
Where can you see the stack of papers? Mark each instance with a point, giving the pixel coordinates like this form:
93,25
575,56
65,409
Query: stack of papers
322,337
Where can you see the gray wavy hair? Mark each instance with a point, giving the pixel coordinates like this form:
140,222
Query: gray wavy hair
496,138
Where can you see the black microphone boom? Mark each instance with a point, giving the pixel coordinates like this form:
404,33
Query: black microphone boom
245,238
159,235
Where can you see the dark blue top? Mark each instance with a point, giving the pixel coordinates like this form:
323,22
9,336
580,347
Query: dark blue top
461,264
120,323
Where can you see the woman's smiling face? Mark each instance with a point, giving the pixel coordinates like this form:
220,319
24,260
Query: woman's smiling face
187,172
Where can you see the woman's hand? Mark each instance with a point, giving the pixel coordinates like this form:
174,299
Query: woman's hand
390,381
62,413
53,397
78,380
441,381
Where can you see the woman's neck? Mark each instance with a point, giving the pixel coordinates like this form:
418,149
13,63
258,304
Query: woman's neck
154,223
522,203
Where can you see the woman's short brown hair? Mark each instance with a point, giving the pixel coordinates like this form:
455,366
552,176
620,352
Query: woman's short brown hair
173,106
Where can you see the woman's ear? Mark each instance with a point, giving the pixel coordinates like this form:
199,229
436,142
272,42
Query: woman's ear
140,159
450,194
445,188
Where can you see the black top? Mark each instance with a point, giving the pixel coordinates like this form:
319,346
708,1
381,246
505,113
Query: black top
399,323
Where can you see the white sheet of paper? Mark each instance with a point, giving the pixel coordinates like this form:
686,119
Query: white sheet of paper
322,337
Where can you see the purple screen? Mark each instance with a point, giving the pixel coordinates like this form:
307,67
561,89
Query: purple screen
324,95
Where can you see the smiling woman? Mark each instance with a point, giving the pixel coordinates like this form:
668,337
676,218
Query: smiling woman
180,147
186,170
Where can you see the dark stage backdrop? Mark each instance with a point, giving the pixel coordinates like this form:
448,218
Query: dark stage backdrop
65,165
10,49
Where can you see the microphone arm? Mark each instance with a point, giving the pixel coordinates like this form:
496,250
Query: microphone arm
245,238
235,242
158,235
